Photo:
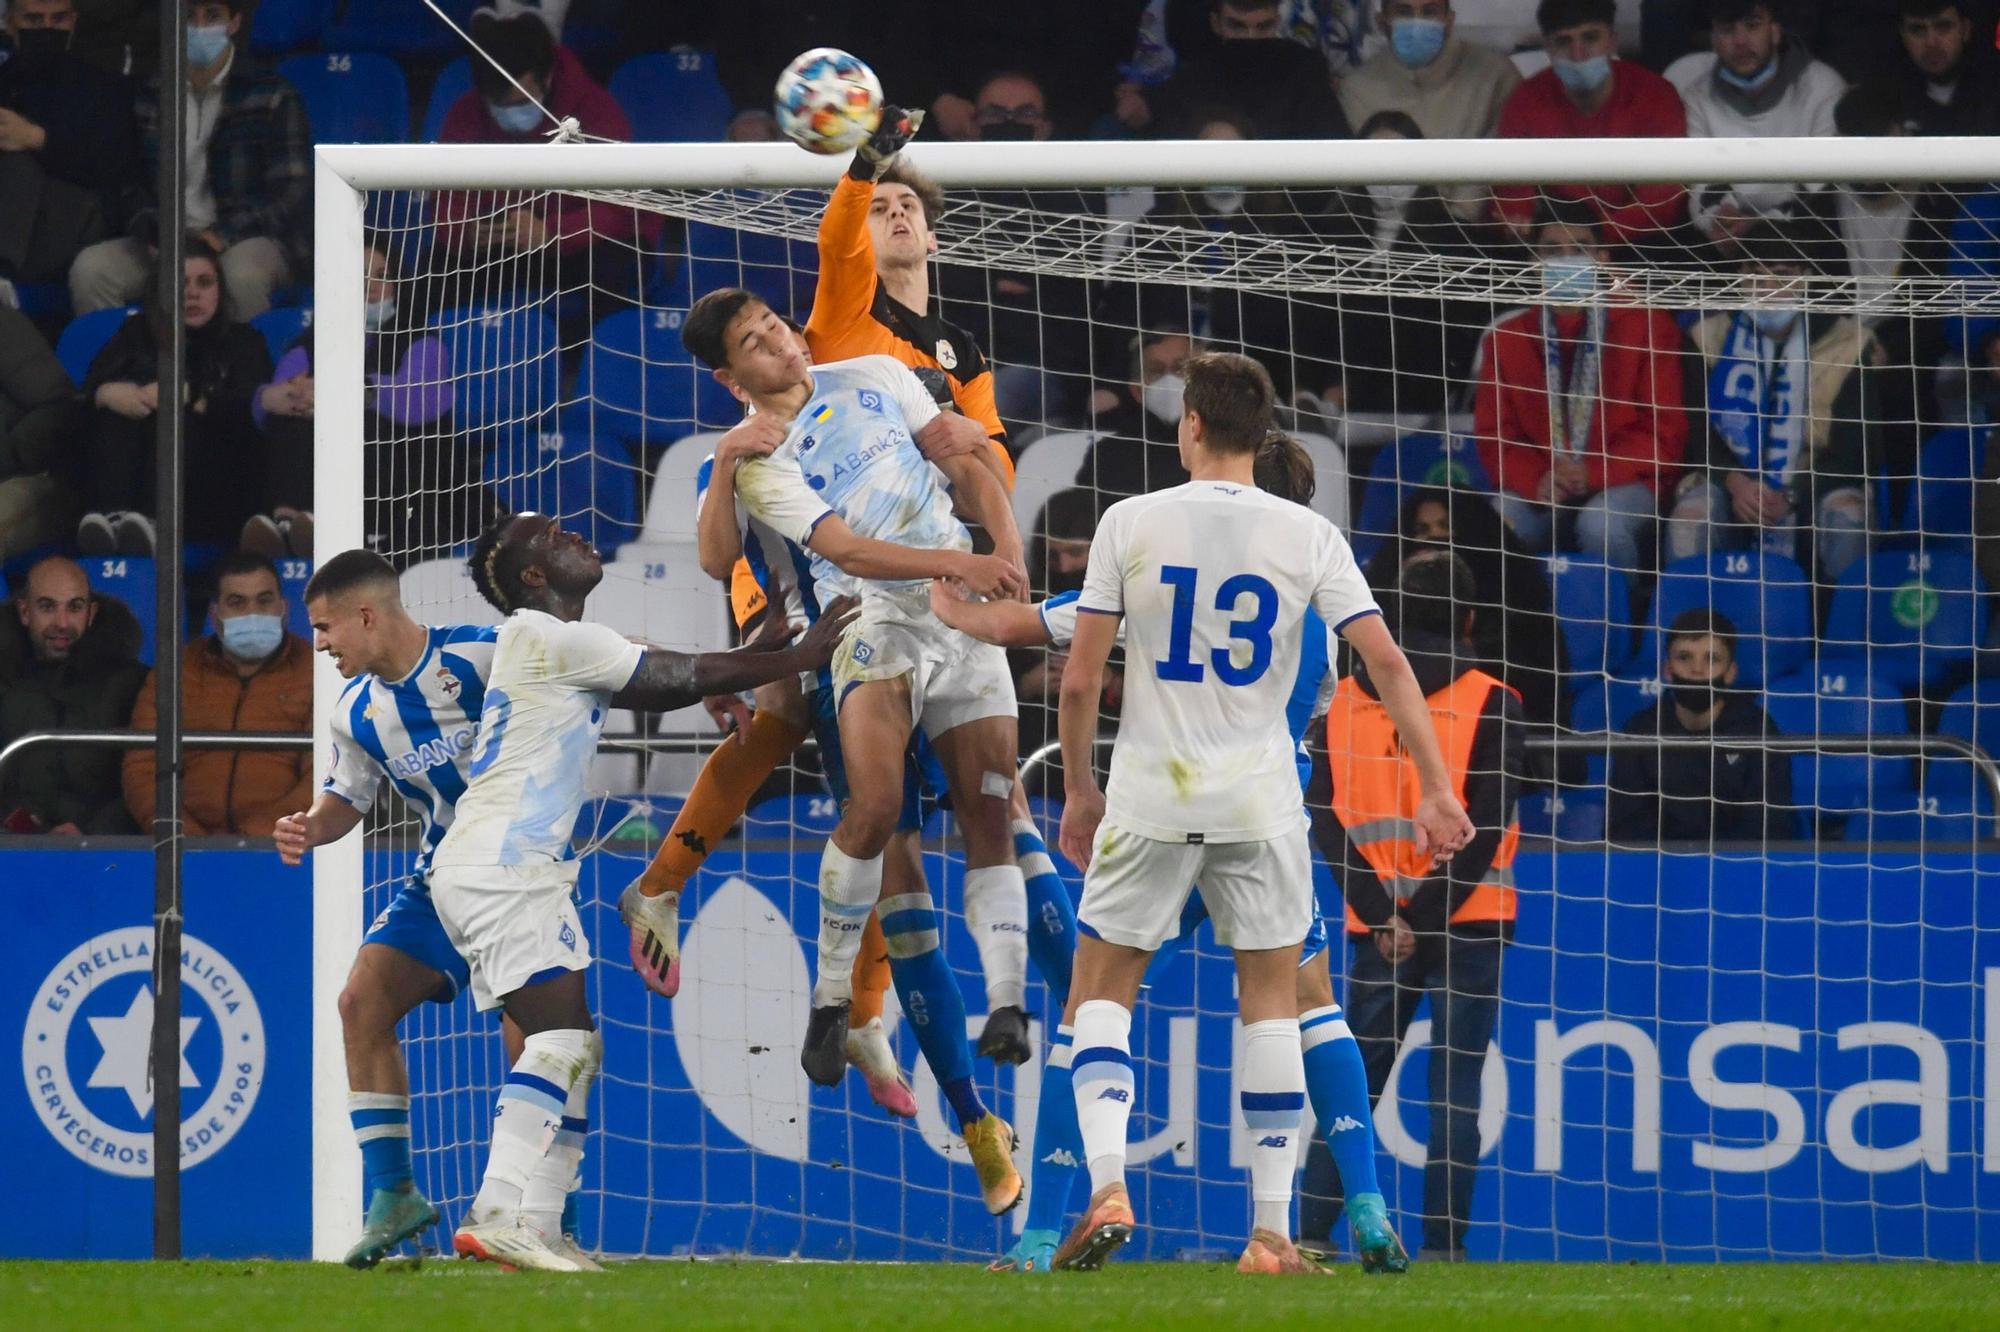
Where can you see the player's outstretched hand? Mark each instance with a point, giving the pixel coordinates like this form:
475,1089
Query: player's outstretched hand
947,595
1442,826
820,641
752,437
293,834
1082,812
898,127
992,576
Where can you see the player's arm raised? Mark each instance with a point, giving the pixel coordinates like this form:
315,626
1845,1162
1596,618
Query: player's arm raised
1442,825
329,820
666,681
718,541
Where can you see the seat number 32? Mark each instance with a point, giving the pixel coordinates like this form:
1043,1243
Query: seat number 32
1237,594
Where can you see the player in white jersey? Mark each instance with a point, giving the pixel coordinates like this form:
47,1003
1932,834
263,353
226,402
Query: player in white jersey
408,716
504,875
1211,581
851,468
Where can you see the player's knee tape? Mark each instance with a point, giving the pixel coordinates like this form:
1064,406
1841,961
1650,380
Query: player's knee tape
999,785
909,925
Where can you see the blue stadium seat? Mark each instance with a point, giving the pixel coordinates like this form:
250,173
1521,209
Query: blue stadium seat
1608,703
453,82
133,581
293,575
281,327
1765,596
1593,603
1938,508
771,266
1931,819
85,336
286,25
351,96
1412,463
1916,614
1841,696
1567,815
504,366
404,28
595,490
639,388
672,97
1971,714
47,303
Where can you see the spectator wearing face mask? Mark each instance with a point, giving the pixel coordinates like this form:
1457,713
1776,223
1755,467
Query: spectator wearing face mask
1802,411
1254,70
1139,448
488,241
1758,81
1588,93
1451,89
249,675
1578,407
1721,793
71,658
68,147
248,178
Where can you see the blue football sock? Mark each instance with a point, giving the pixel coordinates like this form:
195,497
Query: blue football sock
1051,915
1058,1141
382,1127
1337,1084
931,999
569,1213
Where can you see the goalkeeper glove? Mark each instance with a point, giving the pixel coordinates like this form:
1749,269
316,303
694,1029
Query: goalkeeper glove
656,937
897,128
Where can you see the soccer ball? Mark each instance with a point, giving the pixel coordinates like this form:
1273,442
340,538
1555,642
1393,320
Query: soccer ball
828,101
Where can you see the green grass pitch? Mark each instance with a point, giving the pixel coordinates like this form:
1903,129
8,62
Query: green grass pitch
440,1296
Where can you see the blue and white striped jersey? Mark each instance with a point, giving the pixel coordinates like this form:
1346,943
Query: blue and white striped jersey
416,731
781,566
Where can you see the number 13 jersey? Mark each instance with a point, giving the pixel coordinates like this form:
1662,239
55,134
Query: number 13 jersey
1213,580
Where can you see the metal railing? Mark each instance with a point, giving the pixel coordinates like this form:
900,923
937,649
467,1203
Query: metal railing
130,739
1605,742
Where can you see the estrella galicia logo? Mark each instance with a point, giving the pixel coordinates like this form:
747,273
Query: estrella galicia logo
870,400
92,1019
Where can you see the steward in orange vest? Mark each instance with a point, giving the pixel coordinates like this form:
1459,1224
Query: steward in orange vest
1422,931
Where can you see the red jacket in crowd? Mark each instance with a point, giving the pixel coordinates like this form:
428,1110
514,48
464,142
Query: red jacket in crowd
576,223
1639,431
1642,105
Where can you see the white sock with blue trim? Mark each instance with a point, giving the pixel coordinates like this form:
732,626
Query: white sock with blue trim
848,890
996,911
549,1187
528,1118
1273,1097
1101,1074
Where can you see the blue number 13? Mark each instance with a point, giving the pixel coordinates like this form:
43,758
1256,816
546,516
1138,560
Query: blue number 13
1179,663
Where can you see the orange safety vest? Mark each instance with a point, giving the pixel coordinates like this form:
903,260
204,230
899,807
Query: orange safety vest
1375,790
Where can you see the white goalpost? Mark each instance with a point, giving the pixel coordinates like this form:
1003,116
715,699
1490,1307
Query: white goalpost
1780,1046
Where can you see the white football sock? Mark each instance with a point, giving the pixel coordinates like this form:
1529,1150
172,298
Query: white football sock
996,909
549,1187
848,889
527,1120
1101,1076
1273,1098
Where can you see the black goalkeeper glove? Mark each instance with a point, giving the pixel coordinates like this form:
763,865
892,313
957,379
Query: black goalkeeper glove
872,158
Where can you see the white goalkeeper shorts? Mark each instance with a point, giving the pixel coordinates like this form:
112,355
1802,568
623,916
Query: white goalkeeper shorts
515,925
954,678
1259,894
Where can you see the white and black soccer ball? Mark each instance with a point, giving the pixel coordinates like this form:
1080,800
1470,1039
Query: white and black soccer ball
828,101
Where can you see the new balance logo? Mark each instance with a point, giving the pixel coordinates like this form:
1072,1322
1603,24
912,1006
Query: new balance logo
1061,1156
1114,1094
1273,1140
1345,1122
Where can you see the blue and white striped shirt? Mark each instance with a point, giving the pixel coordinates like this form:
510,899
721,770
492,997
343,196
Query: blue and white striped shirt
417,732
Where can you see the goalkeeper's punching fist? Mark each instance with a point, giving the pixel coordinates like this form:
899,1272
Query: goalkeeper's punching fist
872,158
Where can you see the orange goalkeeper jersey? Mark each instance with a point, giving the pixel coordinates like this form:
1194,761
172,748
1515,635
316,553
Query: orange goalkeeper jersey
853,315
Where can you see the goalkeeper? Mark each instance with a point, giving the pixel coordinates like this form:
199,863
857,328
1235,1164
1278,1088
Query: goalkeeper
873,297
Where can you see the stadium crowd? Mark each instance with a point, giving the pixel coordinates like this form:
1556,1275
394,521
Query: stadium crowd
1788,474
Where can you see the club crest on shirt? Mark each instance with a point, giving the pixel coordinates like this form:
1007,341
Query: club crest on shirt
862,651
447,682
870,400
946,357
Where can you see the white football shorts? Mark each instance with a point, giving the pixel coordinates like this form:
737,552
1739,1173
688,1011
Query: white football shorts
954,678
514,925
1259,894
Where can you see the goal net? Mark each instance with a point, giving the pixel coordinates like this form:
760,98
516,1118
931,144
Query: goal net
1701,445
